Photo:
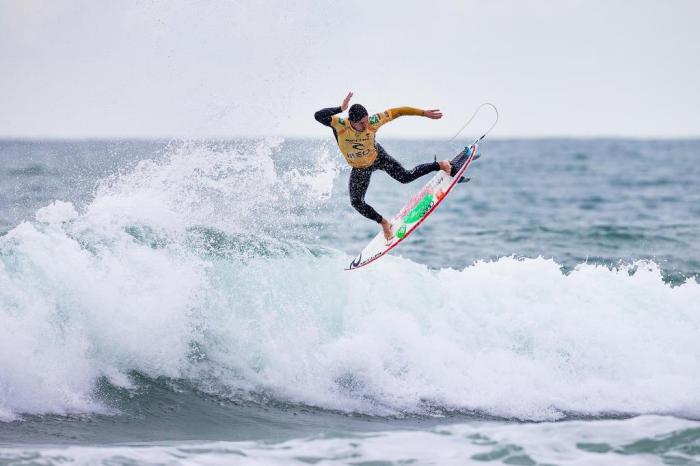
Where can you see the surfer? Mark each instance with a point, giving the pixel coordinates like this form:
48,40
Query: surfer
355,137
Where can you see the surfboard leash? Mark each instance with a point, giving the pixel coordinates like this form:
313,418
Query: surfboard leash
476,112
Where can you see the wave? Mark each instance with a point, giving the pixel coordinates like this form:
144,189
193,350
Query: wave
196,267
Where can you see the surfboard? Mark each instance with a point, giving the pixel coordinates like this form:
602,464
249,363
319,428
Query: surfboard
417,209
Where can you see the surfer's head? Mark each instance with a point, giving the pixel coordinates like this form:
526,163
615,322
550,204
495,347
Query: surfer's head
358,117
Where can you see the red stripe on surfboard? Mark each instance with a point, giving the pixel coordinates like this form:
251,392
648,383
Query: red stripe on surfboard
457,176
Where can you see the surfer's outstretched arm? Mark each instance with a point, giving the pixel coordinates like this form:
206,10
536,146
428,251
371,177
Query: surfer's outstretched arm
382,118
325,115
403,111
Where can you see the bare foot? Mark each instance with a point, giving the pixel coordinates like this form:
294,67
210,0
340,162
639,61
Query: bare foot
386,227
445,166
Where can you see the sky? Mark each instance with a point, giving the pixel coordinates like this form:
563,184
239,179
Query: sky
221,69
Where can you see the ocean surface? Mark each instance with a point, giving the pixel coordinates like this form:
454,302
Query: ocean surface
184,302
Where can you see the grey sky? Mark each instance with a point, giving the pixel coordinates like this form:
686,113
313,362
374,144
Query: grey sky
223,69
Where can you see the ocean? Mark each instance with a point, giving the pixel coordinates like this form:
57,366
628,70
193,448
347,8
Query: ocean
185,302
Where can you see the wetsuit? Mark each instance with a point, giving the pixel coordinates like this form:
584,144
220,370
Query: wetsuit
365,156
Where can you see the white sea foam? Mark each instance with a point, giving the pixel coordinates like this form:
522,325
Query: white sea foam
122,286
648,440
510,338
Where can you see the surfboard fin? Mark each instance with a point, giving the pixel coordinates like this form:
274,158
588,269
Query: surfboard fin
463,180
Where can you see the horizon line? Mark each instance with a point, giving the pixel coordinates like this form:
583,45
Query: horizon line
8,138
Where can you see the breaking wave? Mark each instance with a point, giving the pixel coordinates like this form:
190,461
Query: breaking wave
197,267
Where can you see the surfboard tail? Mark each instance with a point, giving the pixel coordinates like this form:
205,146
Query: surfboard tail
459,160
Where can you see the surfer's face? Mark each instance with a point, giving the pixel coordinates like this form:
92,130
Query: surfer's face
360,125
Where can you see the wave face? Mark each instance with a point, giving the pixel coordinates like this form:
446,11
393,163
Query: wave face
197,267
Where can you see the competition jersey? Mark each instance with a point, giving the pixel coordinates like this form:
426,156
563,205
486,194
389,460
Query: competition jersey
358,147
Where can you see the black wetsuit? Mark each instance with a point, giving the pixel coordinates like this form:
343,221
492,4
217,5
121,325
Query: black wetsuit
360,177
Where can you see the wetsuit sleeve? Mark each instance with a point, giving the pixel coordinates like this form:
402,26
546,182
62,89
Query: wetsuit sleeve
379,119
324,115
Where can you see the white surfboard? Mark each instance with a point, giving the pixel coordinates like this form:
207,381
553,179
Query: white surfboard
421,205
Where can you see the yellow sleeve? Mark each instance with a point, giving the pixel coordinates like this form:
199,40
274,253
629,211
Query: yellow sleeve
379,119
402,111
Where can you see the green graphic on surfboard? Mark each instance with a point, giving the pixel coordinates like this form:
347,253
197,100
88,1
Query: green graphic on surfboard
401,232
420,209
415,214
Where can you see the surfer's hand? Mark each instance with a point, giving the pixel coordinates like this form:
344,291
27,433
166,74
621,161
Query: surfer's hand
433,114
346,101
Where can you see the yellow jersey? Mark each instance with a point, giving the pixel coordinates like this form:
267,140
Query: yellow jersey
358,147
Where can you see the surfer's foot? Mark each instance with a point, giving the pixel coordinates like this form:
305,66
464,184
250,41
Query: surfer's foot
458,161
445,166
386,227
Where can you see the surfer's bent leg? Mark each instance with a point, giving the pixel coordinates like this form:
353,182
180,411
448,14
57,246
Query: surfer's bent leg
395,170
359,182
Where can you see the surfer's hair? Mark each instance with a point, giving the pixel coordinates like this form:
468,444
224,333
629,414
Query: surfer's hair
357,112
